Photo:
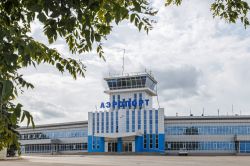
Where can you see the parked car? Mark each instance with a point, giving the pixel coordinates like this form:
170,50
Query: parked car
183,152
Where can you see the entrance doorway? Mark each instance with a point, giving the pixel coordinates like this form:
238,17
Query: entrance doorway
127,147
112,146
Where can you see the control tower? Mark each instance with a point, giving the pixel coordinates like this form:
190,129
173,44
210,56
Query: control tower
133,90
127,122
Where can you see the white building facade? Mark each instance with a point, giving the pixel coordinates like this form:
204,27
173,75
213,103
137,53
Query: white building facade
128,123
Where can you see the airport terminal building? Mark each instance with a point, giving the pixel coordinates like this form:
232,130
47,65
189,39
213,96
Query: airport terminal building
128,123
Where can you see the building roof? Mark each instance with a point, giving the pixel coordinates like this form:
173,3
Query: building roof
57,125
221,117
126,75
85,123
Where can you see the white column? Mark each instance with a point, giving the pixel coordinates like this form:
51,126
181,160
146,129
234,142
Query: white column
133,146
142,120
122,121
104,121
115,121
153,121
106,147
90,123
95,116
148,121
161,120
130,120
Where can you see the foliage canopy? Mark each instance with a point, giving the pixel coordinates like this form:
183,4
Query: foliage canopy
83,24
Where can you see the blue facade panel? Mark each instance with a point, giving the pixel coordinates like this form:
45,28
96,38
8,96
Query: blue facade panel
245,147
96,144
119,145
161,143
139,144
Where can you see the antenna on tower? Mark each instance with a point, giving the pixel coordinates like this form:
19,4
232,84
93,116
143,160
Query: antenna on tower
191,112
123,61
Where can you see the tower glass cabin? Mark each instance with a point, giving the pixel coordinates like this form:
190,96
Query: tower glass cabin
127,122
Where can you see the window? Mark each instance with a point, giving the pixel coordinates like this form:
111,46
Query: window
145,121
135,96
150,141
139,119
201,146
156,141
113,106
129,103
144,141
55,134
93,125
145,130
112,122
150,122
102,122
98,123
133,121
140,98
129,82
156,121
118,101
127,121
107,122
117,123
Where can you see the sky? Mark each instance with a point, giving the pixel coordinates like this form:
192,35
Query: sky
200,63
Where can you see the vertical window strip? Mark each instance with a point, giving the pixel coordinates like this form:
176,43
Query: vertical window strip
102,122
156,122
133,121
139,119
140,98
118,101
97,125
150,121
116,118
93,125
145,129
107,122
127,121
112,122
150,141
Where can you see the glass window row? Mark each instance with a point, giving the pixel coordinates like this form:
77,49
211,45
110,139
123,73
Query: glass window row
207,130
200,146
125,83
48,148
54,135
244,147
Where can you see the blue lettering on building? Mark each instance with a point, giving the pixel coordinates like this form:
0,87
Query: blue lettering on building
125,104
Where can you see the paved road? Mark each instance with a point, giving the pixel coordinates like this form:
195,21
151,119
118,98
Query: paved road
129,161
